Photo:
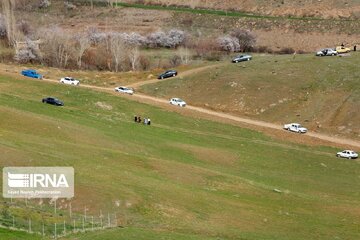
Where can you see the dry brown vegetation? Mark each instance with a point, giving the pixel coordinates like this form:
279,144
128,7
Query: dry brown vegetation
305,8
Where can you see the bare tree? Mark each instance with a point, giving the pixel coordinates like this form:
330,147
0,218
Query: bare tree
81,45
118,50
184,54
8,7
134,55
57,47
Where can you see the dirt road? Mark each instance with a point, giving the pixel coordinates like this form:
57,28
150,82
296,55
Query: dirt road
217,116
183,74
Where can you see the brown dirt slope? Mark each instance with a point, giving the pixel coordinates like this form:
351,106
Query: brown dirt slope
305,8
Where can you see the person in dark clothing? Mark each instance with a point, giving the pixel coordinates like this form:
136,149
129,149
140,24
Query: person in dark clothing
149,121
354,48
342,45
135,118
139,119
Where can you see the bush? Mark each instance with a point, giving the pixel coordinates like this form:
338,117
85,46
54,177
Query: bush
44,4
95,36
286,50
175,61
229,44
2,27
213,56
29,53
172,39
144,63
245,38
24,27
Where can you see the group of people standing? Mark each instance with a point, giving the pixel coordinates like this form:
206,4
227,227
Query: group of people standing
146,121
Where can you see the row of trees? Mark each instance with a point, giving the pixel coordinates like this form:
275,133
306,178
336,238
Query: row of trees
115,51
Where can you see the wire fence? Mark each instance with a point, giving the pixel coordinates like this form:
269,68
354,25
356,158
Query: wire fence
53,223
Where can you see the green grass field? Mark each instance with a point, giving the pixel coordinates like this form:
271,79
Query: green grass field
312,90
182,177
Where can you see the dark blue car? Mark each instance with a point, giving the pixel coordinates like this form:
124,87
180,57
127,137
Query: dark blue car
31,73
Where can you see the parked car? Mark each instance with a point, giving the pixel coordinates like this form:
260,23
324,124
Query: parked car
295,127
53,101
31,73
177,102
342,49
167,74
124,90
327,52
70,81
241,58
347,154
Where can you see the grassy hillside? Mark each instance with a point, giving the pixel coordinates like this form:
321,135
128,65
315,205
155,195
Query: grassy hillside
15,235
181,178
322,93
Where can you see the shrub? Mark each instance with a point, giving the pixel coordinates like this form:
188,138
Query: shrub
95,36
286,50
44,4
175,61
245,38
24,27
29,53
229,44
144,63
2,27
172,39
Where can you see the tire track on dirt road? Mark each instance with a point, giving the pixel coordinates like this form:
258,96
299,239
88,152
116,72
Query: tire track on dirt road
183,74
163,103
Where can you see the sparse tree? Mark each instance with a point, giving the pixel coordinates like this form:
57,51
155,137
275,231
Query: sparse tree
134,55
8,7
2,27
81,45
118,50
184,54
57,47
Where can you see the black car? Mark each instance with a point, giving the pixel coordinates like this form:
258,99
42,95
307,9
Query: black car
53,101
167,74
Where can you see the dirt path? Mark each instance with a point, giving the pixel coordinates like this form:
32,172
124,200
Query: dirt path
217,116
182,74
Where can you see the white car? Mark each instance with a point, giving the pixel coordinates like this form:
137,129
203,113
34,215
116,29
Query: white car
125,90
70,81
327,52
295,127
177,102
347,154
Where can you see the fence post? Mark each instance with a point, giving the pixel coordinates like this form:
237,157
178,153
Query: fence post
108,220
64,228
13,220
29,225
43,229
55,232
83,224
92,223
74,229
70,210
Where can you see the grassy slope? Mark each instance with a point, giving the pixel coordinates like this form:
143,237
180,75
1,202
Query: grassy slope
15,235
181,177
279,89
